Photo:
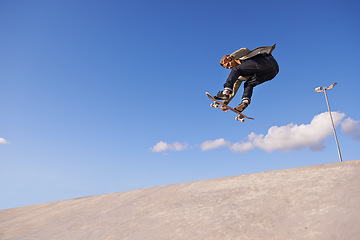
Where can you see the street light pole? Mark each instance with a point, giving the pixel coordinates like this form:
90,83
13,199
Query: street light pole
320,89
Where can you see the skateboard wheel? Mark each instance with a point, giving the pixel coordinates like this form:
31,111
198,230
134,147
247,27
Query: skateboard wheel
212,105
238,118
216,105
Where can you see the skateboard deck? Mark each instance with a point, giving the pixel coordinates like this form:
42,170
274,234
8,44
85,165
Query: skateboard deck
216,104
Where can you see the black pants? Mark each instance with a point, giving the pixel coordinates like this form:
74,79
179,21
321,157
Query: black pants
262,68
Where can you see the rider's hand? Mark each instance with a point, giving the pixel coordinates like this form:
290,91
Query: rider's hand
226,59
229,59
224,108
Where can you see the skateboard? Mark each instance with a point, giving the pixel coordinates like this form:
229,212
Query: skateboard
241,117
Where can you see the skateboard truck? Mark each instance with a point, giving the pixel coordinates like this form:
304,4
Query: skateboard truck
215,105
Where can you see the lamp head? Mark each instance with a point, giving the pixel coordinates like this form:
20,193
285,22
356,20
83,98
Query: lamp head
319,89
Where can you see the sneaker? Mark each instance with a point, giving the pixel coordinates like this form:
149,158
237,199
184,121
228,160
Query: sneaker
227,91
244,104
223,95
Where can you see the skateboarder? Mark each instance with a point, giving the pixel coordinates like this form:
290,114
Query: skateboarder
253,67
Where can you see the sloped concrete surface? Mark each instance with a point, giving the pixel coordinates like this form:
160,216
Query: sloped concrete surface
313,202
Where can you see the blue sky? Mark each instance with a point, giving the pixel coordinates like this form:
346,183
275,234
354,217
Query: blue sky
109,96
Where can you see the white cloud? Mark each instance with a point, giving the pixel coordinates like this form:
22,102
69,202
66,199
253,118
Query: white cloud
242,147
212,144
352,128
293,136
280,138
163,146
3,141
285,138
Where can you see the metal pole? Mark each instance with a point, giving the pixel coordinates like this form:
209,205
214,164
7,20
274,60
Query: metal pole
332,121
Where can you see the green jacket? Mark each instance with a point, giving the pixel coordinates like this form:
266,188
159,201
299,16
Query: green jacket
243,53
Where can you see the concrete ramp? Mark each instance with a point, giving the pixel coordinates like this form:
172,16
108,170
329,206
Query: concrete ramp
313,202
